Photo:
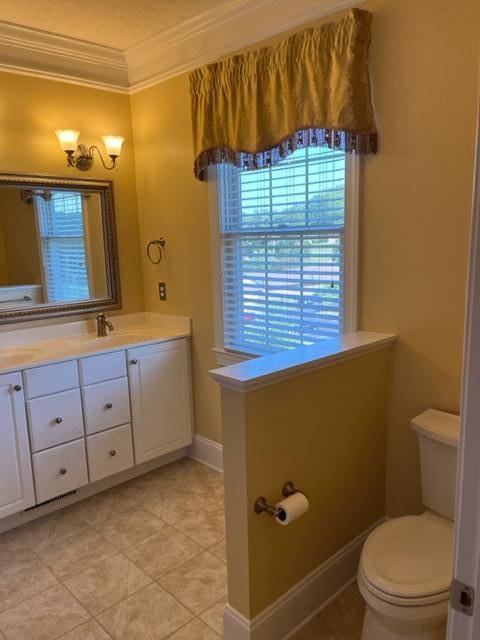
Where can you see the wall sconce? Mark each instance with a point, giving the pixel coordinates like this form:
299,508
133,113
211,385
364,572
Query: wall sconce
80,156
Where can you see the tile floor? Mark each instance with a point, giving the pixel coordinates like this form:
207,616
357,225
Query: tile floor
342,619
142,561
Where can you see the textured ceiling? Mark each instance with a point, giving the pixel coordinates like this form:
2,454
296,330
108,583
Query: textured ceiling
114,23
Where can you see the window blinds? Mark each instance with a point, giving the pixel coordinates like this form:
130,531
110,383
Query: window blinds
61,229
282,250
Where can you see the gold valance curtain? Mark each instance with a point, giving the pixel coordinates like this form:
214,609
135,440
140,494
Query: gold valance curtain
312,88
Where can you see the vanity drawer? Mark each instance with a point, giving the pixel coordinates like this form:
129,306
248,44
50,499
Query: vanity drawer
52,378
110,452
59,470
55,419
104,367
106,405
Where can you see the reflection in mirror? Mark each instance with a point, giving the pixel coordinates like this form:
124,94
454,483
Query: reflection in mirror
51,247
56,246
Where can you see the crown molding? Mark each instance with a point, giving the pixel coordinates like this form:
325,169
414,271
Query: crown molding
217,33
211,35
48,55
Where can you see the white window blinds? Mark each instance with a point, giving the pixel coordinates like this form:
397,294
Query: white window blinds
62,237
282,251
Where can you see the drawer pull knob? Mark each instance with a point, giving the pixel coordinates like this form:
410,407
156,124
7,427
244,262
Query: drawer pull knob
17,387
134,361
113,453
59,420
109,405
63,471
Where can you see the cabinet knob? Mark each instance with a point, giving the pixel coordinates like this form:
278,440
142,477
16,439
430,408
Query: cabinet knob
59,420
63,471
109,405
113,453
17,387
133,361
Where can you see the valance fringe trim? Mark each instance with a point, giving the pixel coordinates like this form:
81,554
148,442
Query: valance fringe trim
356,143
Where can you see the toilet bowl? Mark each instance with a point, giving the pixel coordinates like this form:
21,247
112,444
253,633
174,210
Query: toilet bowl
405,568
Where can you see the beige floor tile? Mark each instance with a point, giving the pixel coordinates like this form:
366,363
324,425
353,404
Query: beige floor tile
191,470
150,614
207,526
175,504
147,487
183,470
162,552
107,583
54,530
22,575
130,527
43,617
198,583
195,630
79,554
209,487
220,550
91,630
342,619
103,506
13,541
214,616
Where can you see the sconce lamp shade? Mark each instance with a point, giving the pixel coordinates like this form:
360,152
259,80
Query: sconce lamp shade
113,145
67,139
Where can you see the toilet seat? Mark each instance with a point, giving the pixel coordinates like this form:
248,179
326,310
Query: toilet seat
408,561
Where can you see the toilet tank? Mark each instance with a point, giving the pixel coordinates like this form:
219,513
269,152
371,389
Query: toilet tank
438,437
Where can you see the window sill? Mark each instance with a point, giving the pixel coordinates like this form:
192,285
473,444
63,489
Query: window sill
260,372
226,358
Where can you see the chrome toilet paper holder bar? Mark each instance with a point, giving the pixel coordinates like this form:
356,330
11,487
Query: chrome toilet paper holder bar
261,505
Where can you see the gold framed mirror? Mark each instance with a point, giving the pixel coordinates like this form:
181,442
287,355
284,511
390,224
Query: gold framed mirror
58,247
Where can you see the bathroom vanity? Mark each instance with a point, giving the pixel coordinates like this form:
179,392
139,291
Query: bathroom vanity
77,409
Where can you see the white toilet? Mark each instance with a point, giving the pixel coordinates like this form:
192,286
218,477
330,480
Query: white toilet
406,564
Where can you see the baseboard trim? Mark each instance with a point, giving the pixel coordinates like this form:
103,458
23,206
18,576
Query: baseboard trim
303,601
207,452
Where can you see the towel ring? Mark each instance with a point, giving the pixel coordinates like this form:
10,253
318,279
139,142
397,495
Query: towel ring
160,244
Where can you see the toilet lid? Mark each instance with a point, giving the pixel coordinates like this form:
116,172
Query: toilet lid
410,557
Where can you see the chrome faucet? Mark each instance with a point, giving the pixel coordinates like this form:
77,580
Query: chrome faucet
102,325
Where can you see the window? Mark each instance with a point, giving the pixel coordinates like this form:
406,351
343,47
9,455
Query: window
62,242
286,251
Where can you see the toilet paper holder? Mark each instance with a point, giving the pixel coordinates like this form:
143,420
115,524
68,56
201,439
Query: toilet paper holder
261,505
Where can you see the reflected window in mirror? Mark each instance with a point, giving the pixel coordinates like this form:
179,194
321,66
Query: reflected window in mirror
70,238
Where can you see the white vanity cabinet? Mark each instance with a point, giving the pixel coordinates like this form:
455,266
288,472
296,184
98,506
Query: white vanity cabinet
161,398
16,482
90,418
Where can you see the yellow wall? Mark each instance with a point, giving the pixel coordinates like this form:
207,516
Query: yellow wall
416,212
415,215
17,222
324,430
31,109
173,204
95,246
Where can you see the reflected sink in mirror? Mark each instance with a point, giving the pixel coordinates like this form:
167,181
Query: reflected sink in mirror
12,357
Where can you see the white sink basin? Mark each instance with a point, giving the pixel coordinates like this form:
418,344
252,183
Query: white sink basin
116,339
12,357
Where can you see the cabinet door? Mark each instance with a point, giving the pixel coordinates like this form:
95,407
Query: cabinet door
16,481
161,398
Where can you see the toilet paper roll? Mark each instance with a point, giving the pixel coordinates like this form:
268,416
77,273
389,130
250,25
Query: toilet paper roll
291,508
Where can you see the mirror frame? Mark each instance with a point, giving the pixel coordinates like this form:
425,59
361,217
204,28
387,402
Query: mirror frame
105,189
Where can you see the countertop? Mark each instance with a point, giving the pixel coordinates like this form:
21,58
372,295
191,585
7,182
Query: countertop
27,348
